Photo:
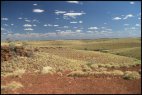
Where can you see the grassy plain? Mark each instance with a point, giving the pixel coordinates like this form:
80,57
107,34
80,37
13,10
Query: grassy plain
81,57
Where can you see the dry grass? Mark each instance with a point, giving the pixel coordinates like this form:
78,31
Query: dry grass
130,75
78,74
12,86
41,60
93,73
117,72
47,70
66,58
16,73
134,52
70,61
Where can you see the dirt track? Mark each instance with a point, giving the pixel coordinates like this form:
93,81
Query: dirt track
57,84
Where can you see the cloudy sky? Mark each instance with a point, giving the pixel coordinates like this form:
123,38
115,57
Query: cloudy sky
41,20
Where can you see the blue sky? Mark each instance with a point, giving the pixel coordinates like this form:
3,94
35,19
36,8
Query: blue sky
44,20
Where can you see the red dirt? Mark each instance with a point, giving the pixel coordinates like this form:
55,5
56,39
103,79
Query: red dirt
56,84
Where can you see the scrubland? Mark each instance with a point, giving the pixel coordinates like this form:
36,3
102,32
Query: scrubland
73,59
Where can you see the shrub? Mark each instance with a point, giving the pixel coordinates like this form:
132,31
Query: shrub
29,53
85,49
101,69
129,75
24,44
11,46
117,72
47,69
13,85
86,68
105,51
16,73
19,72
94,66
77,74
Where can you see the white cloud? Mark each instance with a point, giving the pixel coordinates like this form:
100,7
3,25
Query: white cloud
103,27
116,18
30,35
75,2
105,23
70,33
34,25
126,24
137,24
12,24
35,4
139,18
92,28
102,32
67,32
66,26
73,22
35,20
59,12
27,20
80,21
4,33
51,34
45,25
38,10
90,32
78,31
5,30
132,2
133,28
20,18
50,25
27,25
4,19
2,29
28,29
5,24
56,25
73,15
108,29
128,16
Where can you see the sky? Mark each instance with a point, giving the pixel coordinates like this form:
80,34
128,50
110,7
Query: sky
58,20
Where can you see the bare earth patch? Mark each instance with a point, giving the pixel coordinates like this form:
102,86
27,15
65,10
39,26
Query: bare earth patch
57,84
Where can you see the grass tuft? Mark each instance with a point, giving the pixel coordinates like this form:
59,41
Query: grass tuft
130,75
